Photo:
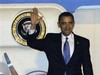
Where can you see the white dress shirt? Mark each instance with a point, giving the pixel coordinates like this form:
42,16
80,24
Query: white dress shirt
70,41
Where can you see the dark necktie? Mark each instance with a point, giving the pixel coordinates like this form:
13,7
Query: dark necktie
66,52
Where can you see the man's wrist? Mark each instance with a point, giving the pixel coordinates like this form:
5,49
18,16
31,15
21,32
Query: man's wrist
31,31
33,27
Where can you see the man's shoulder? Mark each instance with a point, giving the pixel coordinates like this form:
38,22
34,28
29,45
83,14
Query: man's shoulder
53,34
81,37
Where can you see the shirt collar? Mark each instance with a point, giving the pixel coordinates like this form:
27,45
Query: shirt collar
70,37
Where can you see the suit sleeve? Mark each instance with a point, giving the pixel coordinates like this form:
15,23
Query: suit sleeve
35,43
87,65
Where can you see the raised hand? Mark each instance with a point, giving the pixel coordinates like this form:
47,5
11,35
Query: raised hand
35,18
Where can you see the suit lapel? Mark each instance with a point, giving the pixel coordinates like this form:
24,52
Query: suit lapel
76,48
59,48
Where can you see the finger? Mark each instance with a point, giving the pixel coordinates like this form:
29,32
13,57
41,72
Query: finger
40,18
35,11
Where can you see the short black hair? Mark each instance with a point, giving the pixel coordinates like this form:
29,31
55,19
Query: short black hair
65,14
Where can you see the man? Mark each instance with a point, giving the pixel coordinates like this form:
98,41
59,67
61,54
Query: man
53,46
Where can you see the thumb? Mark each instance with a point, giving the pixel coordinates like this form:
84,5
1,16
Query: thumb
39,20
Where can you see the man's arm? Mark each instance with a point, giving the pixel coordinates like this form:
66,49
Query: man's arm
87,64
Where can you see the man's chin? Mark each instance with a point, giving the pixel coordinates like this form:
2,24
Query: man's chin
66,34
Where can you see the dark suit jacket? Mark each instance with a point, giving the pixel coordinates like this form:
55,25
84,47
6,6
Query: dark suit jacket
51,45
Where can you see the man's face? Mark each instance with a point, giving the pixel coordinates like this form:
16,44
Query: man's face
66,25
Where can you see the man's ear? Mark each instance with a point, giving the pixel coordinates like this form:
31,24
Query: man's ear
58,24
